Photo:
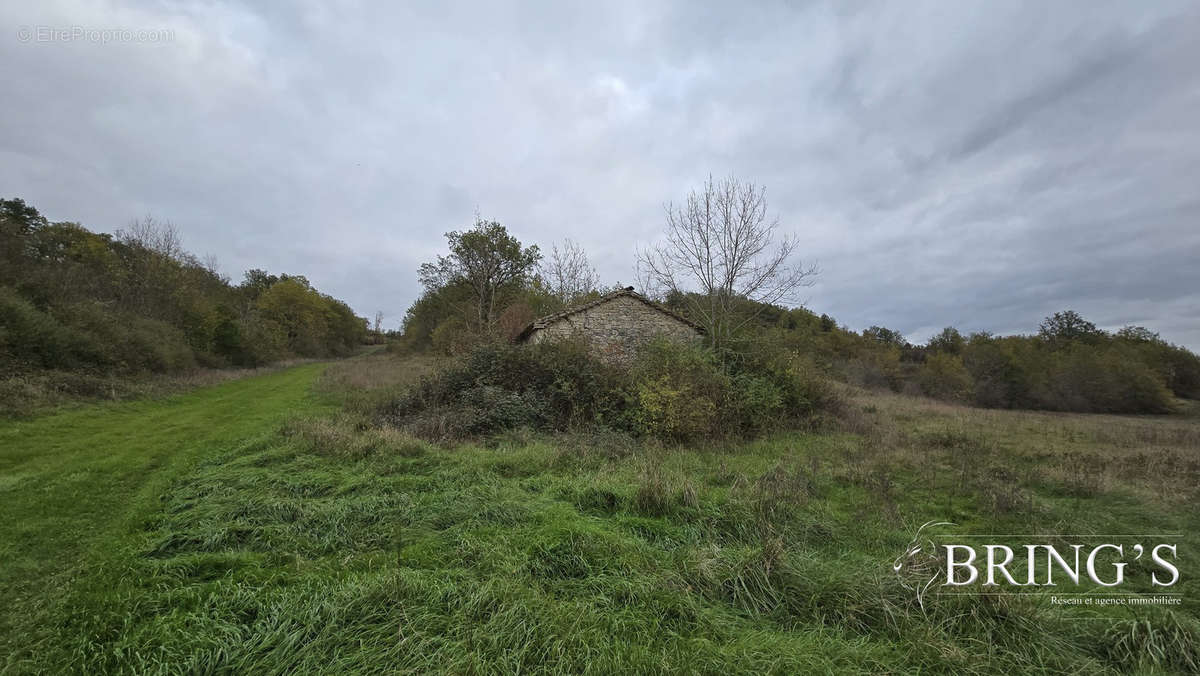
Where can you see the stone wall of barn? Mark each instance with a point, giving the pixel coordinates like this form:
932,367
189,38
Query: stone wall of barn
616,329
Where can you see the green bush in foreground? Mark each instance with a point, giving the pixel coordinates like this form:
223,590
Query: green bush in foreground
671,392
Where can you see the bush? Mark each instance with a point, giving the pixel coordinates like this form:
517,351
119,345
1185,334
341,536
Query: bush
109,341
495,387
31,337
1098,376
151,345
452,337
1085,379
943,376
680,392
672,392
999,381
668,409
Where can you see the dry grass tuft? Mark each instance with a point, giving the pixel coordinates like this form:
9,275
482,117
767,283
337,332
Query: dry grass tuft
350,437
376,371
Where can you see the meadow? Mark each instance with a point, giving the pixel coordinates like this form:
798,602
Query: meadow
269,525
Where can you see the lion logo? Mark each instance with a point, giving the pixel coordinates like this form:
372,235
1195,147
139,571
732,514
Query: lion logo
919,566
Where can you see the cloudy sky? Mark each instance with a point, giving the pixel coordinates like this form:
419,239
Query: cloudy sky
946,163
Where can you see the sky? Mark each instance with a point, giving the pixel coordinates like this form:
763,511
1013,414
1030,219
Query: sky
969,164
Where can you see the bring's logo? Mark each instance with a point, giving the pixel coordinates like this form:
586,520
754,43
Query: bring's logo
933,563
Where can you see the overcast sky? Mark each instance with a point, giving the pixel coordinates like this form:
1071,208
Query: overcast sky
979,165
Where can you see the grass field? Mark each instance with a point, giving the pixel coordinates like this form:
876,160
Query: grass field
257,526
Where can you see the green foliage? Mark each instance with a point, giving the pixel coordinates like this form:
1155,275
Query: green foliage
1107,380
452,337
943,376
672,392
1101,376
1067,326
485,289
434,307
487,261
1071,365
29,336
680,392
949,341
497,386
77,300
1176,366
885,336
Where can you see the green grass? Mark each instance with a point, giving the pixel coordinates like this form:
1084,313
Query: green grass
252,527
76,486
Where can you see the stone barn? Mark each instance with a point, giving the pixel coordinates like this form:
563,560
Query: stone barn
614,325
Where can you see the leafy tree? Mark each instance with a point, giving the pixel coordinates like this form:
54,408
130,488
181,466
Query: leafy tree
1068,326
256,282
435,307
885,336
296,311
488,261
1138,334
18,222
949,341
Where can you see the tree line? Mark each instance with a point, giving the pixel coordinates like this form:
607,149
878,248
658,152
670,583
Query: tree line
721,264
1067,365
134,302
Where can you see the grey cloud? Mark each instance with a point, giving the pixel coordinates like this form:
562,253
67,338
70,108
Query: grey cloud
974,164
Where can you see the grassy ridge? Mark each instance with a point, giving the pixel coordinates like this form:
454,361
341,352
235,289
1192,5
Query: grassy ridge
252,541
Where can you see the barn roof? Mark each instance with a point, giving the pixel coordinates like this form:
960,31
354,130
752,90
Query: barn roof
543,322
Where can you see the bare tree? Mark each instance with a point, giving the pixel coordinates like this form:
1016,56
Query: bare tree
378,326
568,273
154,266
210,263
160,237
720,250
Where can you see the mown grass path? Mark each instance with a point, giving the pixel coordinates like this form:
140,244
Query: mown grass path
71,481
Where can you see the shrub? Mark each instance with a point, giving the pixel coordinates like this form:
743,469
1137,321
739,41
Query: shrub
672,392
126,343
30,336
452,337
776,386
998,377
156,346
673,410
943,376
757,402
876,367
804,387
495,387
1089,379
681,392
